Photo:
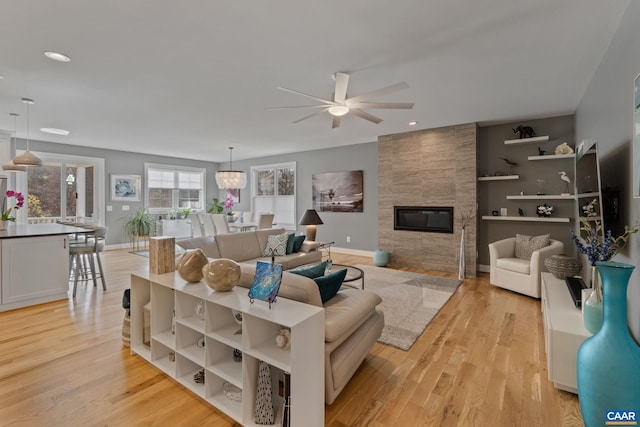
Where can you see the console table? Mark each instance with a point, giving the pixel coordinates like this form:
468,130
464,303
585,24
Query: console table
185,340
563,332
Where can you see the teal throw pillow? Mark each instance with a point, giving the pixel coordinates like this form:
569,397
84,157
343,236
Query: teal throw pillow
290,242
311,271
297,243
329,285
276,245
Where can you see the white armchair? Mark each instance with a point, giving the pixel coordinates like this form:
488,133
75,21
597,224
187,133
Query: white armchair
519,275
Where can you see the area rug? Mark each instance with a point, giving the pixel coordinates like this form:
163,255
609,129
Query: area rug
409,301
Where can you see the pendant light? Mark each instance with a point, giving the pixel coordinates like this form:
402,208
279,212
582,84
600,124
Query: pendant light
27,158
11,167
230,178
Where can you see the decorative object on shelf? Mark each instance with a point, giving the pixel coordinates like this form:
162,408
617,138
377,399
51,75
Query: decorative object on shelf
283,339
172,356
597,246
237,316
380,258
465,220
495,213
237,355
524,131
540,191
286,401
231,178
563,266
6,212
504,212
520,212
567,182
190,265
541,152
544,211
563,148
231,392
200,343
588,209
607,363
510,164
266,282
222,274
198,377
199,310
264,401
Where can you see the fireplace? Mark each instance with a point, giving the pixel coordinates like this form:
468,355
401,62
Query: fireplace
423,218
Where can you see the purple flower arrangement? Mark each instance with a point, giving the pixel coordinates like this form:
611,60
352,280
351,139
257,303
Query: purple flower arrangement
6,213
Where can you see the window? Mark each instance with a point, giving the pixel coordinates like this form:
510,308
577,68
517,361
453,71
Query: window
173,187
274,191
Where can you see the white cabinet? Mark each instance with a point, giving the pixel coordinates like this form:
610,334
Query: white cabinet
178,228
34,270
176,345
564,332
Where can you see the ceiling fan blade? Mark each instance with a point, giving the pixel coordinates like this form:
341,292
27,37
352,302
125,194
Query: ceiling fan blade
380,92
336,122
385,105
311,115
297,106
365,115
325,101
342,80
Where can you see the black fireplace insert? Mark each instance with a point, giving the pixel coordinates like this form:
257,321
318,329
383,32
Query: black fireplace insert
423,218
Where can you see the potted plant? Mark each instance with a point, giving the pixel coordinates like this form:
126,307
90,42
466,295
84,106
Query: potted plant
215,206
186,211
139,225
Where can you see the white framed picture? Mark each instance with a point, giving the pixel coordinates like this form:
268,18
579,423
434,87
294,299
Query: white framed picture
126,188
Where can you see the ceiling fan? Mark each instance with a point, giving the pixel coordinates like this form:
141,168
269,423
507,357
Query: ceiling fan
341,105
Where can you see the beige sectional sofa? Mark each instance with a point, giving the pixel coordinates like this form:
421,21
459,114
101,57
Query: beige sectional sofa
352,322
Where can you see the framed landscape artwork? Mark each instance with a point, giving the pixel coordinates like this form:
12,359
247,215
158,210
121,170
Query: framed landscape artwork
338,191
636,137
126,188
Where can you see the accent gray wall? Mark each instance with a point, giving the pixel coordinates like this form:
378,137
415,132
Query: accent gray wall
605,113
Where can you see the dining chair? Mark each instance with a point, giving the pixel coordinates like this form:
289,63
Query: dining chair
247,216
220,223
196,225
265,221
207,224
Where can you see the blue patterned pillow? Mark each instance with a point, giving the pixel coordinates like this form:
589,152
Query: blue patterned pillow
310,271
276,245
329,285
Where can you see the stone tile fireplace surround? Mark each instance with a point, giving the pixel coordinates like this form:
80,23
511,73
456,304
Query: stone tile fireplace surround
433,167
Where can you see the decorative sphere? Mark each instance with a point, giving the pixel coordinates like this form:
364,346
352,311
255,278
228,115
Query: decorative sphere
190,265
222,274
563,266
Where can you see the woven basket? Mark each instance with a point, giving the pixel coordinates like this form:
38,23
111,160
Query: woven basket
563,266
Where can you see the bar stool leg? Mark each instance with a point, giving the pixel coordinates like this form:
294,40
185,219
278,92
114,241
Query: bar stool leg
104,285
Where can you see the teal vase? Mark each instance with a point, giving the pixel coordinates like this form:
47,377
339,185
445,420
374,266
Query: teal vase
380,258
608,365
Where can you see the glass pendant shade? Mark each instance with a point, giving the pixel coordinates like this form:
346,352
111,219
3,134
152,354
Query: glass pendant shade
231,178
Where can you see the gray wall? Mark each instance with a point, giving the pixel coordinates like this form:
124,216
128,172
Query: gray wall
605,113
361,227
492,194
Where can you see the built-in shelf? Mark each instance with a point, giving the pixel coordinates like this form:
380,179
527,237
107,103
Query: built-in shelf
544,197
553,157
526,140
525,218
588,195
592,218
498,178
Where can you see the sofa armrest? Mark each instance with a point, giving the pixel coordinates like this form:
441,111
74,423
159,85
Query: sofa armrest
310,245
504,248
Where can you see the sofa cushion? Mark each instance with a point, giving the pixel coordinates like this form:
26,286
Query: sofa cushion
329,285
311,271
207,243
276,245
297,242
514,264
527,245
290,241
239,246
347,311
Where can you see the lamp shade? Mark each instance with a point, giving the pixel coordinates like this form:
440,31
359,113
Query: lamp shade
231,179
310,217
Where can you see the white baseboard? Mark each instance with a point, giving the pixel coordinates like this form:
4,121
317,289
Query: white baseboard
350,251
484,268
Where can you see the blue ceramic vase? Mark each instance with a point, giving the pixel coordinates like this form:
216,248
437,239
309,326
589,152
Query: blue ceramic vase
380,258
608,365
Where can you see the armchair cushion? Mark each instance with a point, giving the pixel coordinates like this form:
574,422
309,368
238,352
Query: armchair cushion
527,245
514,264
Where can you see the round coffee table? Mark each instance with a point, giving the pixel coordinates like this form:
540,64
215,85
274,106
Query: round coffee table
353,274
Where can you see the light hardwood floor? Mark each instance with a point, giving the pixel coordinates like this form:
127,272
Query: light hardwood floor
481,362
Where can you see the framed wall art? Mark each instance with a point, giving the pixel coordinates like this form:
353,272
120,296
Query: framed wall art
126,188
338,191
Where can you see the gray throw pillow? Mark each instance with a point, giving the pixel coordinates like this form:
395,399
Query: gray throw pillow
526,245
276,245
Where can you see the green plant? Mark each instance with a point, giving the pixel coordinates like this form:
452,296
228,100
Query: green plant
215,206
186,211
141,224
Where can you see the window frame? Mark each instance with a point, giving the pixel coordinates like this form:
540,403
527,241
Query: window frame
276,197
175,169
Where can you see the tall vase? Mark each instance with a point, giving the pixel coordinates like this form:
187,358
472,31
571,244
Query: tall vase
608,365
592,310
461,265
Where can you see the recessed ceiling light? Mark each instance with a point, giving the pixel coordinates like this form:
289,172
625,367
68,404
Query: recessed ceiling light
55,131
413,123
57,56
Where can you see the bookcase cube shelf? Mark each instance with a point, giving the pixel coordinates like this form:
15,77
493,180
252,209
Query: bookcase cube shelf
177,334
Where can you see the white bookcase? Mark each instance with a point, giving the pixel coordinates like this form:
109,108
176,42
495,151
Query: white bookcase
181,337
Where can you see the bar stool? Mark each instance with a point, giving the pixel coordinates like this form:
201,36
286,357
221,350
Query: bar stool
82,256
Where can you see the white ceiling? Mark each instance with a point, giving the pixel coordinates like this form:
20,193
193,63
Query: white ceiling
190,78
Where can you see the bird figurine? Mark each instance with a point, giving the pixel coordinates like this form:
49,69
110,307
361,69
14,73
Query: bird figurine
509,163
567,182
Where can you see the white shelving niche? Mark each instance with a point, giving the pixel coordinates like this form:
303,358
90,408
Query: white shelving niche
176,344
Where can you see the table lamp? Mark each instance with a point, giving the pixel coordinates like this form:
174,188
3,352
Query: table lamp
310,219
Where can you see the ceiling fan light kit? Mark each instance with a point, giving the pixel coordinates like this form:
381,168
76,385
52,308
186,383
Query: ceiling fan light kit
230,178
341,105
